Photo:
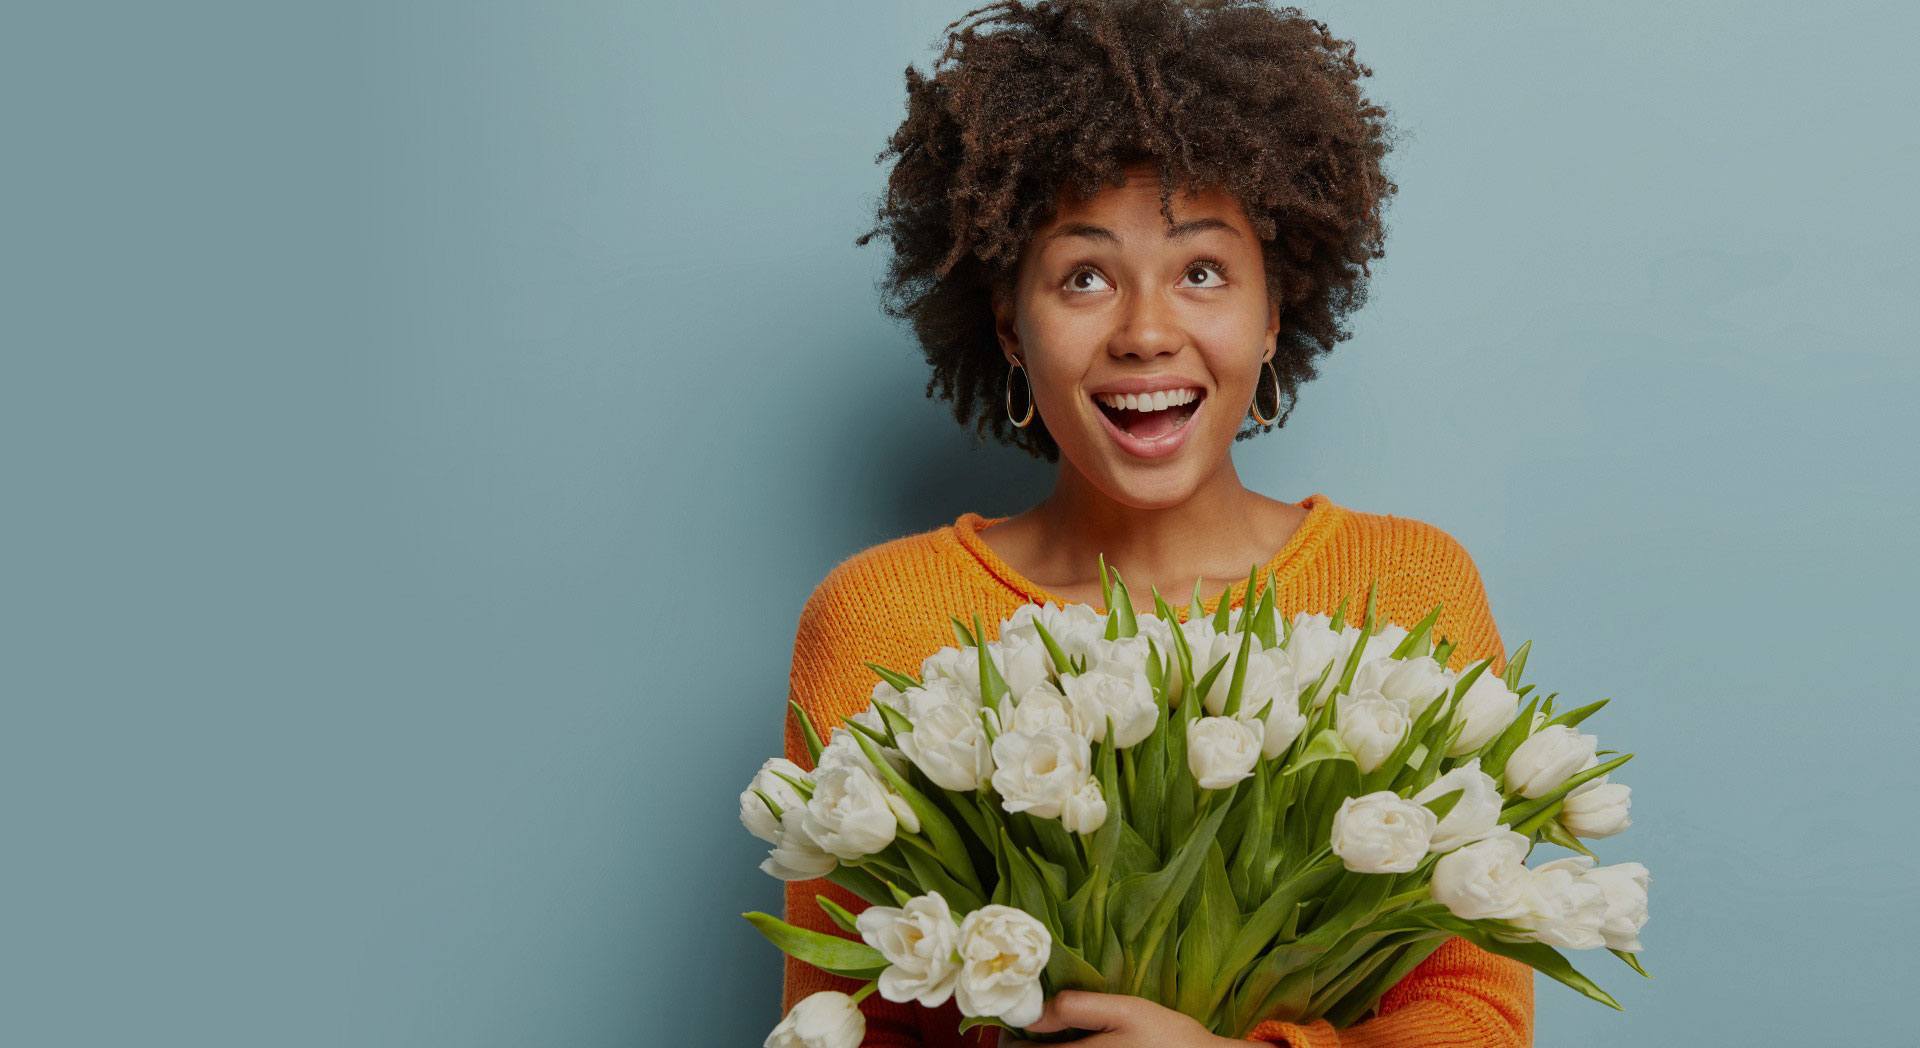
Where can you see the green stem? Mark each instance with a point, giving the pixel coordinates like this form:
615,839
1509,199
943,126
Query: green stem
861,994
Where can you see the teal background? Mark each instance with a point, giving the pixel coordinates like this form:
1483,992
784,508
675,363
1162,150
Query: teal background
422,422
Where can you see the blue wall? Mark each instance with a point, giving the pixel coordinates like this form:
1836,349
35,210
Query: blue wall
423,421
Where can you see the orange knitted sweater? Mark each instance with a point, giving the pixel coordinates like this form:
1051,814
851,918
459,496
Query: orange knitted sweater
889,604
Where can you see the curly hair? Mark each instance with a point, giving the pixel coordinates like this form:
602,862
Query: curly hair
1061,95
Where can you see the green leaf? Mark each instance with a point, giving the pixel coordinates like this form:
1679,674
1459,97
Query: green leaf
1407,647
1247,601
1516,664
1554,832
1062,666
806,731
829,953
992,685
1239,675
1369,624
1204,939
1123,607
1339,617
1325,746
899,681
1029,892
1494,760
1541,958
933,822
838,913
1632,960
861,883
1572,718
1257,932
930,875
1444,803
1145,906
1522,809
1068,970
961,633
1263,618
1223,611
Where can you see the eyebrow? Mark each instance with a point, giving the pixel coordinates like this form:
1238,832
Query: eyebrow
1180,231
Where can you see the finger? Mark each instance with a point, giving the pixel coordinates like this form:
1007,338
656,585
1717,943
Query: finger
1088,1010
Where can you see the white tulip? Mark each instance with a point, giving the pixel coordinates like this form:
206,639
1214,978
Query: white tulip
1484,711
920,942
948,741
1474,816
1269,678
1095,696
886,694
1382,832
828,1019
1086,810
795,856
1625,886
1592,783
1372,675
958,664
1222,750
1376,656
1122,657
1484,879
1036,772
1022,663
1371,725
1280,725
1074,626
1158,630
1041,706
1003,950
1313,645
1561,907
1418,682
754,815
1548,757
843,750
1599,812
849,814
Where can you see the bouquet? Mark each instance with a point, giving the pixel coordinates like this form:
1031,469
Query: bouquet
1238,817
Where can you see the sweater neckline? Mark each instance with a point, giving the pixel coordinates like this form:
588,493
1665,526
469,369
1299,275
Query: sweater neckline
1286,562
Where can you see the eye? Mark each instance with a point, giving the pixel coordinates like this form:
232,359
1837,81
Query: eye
1073,279
1201,265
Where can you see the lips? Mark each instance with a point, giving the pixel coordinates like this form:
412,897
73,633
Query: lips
1149,434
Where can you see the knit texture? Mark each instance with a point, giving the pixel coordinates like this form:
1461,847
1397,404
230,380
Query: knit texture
889,604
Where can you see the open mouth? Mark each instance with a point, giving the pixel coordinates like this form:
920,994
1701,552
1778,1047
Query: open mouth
1151,418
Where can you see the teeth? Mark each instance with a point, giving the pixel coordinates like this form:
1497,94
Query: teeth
1158,400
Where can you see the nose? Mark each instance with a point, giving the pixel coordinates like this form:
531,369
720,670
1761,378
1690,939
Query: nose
1148,327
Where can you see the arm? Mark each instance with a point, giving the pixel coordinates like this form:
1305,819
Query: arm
829,681
1461,996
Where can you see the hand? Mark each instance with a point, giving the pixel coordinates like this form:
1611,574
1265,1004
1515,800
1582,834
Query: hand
1123,1021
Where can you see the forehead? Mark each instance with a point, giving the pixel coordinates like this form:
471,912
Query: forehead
1133,207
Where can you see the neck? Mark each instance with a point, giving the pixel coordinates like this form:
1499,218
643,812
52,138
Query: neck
1210,535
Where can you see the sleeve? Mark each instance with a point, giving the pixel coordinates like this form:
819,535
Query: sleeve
830,681
1461,996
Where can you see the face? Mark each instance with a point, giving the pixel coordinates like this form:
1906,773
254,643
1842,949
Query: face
1107,302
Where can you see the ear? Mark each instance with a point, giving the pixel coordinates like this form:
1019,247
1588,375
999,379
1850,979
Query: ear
1004,328
1273,329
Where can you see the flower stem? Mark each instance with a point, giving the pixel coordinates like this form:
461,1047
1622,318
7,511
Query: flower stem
861,994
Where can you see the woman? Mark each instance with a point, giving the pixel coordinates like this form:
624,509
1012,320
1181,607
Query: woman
1129,228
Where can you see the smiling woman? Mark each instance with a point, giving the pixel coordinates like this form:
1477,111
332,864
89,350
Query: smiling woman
1136,224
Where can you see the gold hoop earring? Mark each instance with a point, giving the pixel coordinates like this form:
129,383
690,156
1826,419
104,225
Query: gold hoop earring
1254,408
1019,423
